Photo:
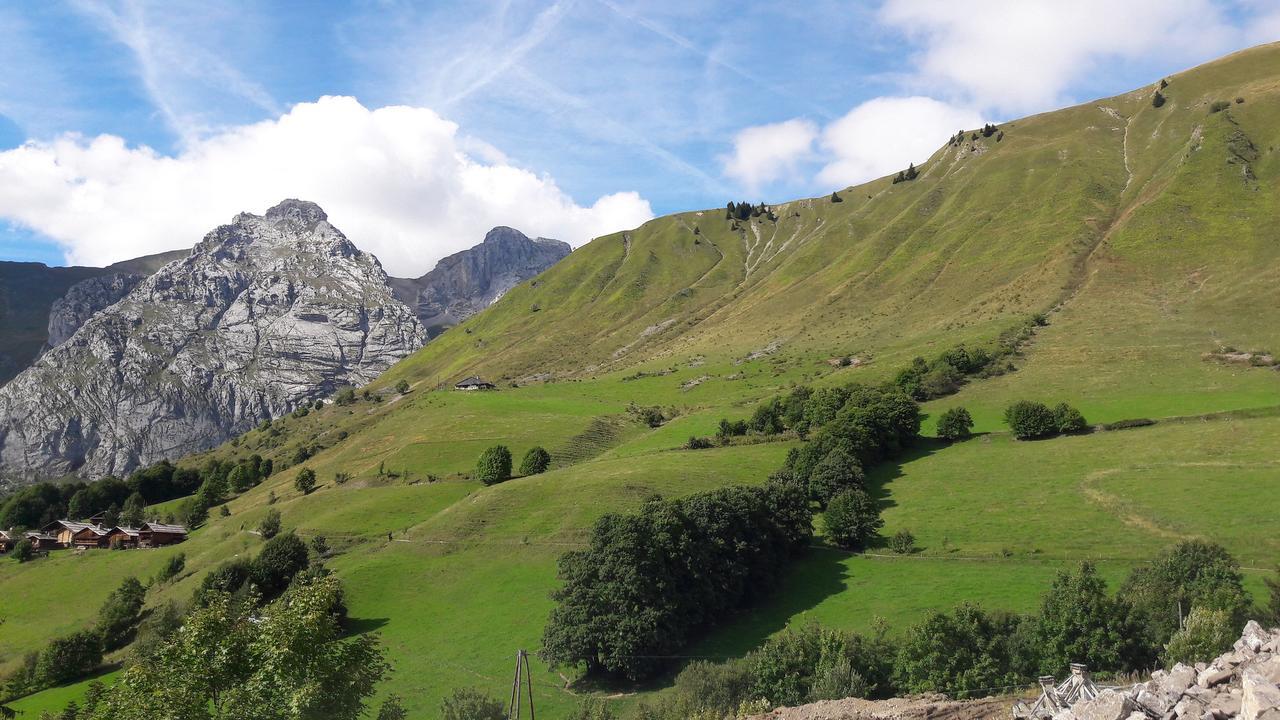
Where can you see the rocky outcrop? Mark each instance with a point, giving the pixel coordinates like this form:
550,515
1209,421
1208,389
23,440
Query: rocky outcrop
84,300
264,314
465,283
1243,683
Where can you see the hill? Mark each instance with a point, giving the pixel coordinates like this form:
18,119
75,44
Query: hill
1143,234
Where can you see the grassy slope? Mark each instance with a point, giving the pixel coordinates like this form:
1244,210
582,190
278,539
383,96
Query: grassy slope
1125,219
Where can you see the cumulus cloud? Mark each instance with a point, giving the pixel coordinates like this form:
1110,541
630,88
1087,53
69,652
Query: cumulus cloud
1023,55
401,182
883,135
765,153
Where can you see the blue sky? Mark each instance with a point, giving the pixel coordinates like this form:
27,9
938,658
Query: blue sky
129,126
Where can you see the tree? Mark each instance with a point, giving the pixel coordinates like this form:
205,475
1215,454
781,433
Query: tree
241,478
346,395
283,556
1272,609
120,614
836,471
285,662
270,525
1078,622
1030,420
69,658
320,546
392,709
955,424
193,512
1157,100
535,462
23,551
172,568
402,387
852,519
963,652
1206,634
305,481
471,704
111,517
494,465
591,708
135,509
903,542
1068,419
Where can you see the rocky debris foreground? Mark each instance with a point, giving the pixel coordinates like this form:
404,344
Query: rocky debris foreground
1239,684
265,314
920,707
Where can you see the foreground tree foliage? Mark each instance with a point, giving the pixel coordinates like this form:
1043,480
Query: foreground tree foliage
1078,622
470,704
120,614
964,653
231,660
652,581
1205,635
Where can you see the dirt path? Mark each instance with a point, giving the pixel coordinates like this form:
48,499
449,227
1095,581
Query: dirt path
922,707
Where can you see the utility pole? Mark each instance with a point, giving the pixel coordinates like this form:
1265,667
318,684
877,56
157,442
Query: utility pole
522,668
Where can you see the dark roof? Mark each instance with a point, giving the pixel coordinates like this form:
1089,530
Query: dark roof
95,529
68,524
473,380
131,532
161,528
39,536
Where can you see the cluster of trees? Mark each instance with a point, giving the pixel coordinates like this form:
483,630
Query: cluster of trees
946,373
906,175
494,464
266,577
1030,419
967,650
744,210
652,581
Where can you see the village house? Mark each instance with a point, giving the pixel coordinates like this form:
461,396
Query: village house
64,530
8,539
158,535
41,541
89,537
474,383
126,537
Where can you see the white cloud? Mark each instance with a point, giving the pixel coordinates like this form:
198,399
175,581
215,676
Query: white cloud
1023,55
765,153
399,181
883,135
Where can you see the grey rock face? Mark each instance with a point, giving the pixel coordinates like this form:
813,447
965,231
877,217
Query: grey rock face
264,314
465,283
83,300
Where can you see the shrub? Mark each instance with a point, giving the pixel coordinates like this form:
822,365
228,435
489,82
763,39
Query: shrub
69,658
172,568
698,443
1079,622
305,481
392,709
712,690
402,386
281,558
837,471
345,396
536,461
964,653
320,546
341,478
1069,419
1157,100
1030,420
1205,635
471,704
23,551
1132,423
852,519
591,708
120,613
903,542
955,424
270,525
1218,106
494,465
227,578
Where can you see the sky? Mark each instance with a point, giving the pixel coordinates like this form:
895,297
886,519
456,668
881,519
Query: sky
129,127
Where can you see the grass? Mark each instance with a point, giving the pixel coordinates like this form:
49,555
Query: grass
1153,250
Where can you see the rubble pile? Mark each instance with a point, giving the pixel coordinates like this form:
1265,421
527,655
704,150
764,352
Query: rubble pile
1242,684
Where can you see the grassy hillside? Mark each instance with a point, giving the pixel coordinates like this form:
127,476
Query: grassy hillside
1145,233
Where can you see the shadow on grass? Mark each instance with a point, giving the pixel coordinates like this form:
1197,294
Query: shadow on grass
360,626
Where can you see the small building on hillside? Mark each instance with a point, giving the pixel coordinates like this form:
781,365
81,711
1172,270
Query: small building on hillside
158,535
90,537
64,530
42,541
8,539
124,537
474,383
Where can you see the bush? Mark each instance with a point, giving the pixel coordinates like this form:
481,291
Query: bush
903,542
837,471
1030,420
964,653
270,525
711,690
281,558
320,546
637,594
1205,635
698,443
69,658
955,424
345,396
305,481
494,465
172,568
402,387
1132,423
228,578
471,704
536,461
120,613
852,519
1079,622
341,478
591,708
1157,100
1069,419
1218,106
23,551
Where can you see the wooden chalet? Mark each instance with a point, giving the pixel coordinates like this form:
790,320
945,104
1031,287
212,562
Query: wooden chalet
90,537
124,536
64,530
158,535
42,541
8,539
474,383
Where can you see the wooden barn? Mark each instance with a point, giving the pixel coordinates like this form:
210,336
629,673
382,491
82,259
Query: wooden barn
42,541
64,530
90,537
158,535
124,537
474,383
8,539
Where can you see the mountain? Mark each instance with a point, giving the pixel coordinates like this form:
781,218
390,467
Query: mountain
465,283
265,314
1130,243
40,306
